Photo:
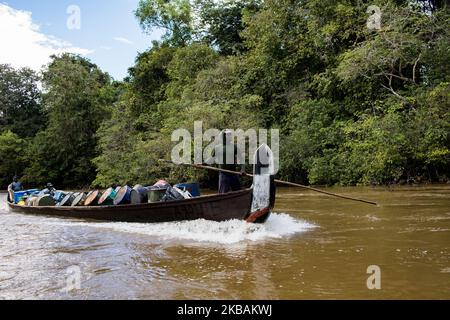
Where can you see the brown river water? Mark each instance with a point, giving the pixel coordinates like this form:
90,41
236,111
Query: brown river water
313,247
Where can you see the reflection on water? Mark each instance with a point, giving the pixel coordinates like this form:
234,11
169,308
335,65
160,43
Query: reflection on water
319,247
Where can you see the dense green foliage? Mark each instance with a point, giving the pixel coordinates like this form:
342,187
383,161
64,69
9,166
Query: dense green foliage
12,149
354,105
20,109
76,97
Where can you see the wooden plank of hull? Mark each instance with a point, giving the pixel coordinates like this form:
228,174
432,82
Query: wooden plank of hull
234,205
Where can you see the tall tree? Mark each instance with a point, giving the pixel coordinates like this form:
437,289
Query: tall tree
77,93
222,23
175,17
135,119
219,23
20,109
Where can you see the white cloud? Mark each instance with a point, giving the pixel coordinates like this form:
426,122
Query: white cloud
123,40
24,45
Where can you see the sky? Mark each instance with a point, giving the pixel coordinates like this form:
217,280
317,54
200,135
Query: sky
105,31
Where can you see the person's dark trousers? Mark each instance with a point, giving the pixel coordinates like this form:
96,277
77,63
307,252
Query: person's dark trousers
228,183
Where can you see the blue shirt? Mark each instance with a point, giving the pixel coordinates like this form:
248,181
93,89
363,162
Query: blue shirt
16,186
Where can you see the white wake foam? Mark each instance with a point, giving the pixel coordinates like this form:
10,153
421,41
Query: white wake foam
233,231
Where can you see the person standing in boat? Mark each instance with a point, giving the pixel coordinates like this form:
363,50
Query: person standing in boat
15,186
228,156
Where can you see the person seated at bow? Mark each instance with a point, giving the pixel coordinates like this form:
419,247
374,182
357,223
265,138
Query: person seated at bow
15,186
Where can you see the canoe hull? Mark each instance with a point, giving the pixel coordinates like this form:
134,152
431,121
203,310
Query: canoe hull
222,207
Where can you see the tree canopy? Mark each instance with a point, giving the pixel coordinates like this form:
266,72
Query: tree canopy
355,105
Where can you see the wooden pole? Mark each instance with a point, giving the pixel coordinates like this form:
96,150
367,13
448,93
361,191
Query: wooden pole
277,181
325,192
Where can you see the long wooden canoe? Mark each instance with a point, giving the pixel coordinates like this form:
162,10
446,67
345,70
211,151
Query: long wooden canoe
252,204
221,207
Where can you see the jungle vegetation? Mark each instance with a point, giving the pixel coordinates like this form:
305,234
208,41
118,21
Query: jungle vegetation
354,104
